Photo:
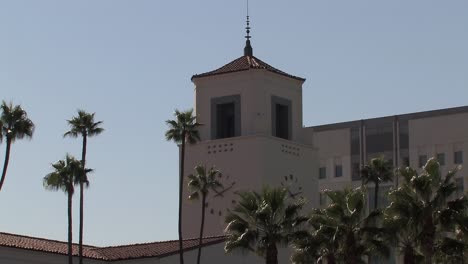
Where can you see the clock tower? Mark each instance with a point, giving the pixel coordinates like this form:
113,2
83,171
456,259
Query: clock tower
252,132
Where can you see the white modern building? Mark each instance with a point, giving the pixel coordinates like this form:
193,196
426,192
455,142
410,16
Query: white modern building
254,133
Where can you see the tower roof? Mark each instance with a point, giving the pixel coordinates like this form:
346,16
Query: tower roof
246,63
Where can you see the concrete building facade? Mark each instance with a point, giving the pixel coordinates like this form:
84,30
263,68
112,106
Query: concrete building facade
405,140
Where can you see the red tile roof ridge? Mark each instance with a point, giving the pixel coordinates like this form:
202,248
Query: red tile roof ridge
111,253
245,63
43,239
221,237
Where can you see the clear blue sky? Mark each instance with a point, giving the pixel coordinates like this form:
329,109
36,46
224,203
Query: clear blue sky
131,63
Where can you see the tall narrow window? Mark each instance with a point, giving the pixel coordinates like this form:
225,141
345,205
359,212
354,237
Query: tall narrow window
422,160
322,172
458,157
338,171
225,117
225,120
282,123
281,117
441,159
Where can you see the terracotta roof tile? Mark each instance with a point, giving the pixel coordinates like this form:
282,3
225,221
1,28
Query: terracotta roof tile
245,63
45,245
155,249
159,249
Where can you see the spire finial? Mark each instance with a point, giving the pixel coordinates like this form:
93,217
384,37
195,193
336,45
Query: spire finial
248,51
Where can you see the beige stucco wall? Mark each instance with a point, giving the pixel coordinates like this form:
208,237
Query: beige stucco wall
255,87
254,162
334,149
443,134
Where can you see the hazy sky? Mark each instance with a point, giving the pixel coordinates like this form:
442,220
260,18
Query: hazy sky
131,62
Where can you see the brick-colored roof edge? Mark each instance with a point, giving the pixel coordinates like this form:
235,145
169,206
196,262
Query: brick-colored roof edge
102,253
245,63
215,240
46,245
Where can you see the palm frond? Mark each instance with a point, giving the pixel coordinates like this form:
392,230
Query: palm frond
183,127
84,125
14,122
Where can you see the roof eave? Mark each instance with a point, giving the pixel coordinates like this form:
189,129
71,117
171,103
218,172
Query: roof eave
198,76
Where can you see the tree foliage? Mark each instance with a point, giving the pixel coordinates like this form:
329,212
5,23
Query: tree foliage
423,215
14,125
341,233
260,221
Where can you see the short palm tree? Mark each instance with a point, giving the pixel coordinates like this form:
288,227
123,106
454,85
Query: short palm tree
341,233
83,125
377,171
14,125
260,221
200,185
67,173
422,212
183,129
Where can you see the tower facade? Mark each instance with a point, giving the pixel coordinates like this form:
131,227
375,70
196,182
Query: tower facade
252,132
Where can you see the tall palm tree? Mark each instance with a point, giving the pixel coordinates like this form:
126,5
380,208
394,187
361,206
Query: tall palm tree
341,233
14,124
200,184
183,129
378,170
83,125
262,220
423,212
66,174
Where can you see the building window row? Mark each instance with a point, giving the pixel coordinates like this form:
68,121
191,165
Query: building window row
338,172
457,158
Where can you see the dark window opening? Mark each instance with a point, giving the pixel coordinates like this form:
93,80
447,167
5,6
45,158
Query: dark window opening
406,162
441,159
282,121
356,171
338,171
422,160
322,173
458,157
379,138
226,122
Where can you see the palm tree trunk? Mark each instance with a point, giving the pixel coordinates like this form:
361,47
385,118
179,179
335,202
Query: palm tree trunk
70,252
7,159
376,195
331,259
428,250
272,254
83,162
428,240
201,228
408,257
181,189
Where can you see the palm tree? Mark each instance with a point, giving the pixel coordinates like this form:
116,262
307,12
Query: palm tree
182,130
378,170
14,124
200,184
422,211
262,220
66,174
341,233
83,125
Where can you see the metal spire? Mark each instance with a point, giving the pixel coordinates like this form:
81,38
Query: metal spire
248,51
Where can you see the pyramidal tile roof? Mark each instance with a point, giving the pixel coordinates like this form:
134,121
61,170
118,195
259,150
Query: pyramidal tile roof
245,63
134,251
